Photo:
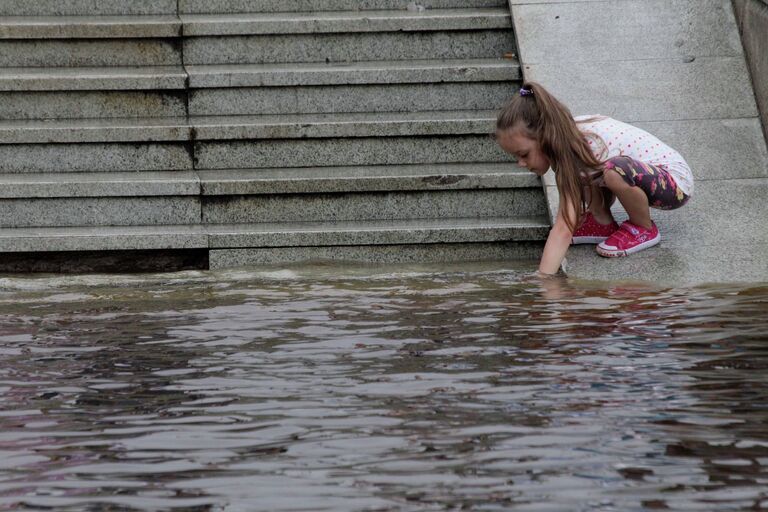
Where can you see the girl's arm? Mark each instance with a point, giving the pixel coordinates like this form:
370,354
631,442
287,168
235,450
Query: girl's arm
558,241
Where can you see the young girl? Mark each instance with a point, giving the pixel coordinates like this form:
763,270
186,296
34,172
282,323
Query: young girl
595,159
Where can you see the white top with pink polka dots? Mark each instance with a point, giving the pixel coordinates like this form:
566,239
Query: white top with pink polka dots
621,139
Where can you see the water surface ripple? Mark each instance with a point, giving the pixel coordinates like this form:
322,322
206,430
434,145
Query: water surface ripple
337,389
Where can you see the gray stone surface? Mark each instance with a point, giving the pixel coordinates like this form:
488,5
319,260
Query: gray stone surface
353,98
99,184
336,152
376,72
101,211
90,104
89,27
359,179
343,22
752,18
716,148
702,105
111,238
94,130
86,7
92,79
481,44
342,125
65,158
394,254
650,90
421,231
373,206
89,53
680,28
246,6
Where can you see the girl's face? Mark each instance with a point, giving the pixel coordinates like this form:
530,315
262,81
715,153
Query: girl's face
527,151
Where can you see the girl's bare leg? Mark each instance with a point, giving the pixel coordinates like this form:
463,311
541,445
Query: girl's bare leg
633,199
599,201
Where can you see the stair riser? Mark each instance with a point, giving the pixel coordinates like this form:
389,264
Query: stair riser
86,7
387,254
108,211
373,206
342,152
348,47
91,104
360,98
85,53
28,158
244,6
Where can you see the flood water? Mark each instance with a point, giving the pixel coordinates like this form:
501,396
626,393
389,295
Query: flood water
330,389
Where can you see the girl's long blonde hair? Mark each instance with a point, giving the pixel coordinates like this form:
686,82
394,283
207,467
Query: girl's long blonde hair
551,124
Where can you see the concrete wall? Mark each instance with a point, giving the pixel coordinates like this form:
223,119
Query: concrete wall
752,18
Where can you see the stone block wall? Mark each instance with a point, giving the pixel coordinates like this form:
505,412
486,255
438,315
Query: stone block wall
752,18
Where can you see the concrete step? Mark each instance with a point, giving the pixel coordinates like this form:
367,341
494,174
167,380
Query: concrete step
94,157
91,104
399,86
252,24
348,36
365,193
87,7
351,139
66,93
262,6
245,154
349,99
90,52
175,129
473,176
352,73
98,184
250,236
99,199
353,206
93,79
89,27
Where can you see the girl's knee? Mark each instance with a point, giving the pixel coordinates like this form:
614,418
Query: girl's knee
614,178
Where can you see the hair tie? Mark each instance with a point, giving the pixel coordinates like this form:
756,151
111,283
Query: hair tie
526,92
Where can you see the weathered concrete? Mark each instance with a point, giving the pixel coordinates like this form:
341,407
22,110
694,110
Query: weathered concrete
99,184
752,18
302,48
246,6
86,7
376,72
371,178
93,79
346,151
91,104
413,253
388,232
343,98
89,27
689,86
343,22
369,205
89,53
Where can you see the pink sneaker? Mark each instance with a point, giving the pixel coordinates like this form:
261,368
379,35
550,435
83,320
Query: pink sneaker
592,232
628,239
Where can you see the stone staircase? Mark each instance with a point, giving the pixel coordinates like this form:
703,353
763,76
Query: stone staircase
158,134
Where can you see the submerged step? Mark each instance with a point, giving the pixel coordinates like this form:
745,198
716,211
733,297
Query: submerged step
423,231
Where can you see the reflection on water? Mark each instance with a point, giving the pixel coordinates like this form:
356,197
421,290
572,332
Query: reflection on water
329,388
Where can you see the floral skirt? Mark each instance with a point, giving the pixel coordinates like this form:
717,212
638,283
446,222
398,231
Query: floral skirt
660,187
